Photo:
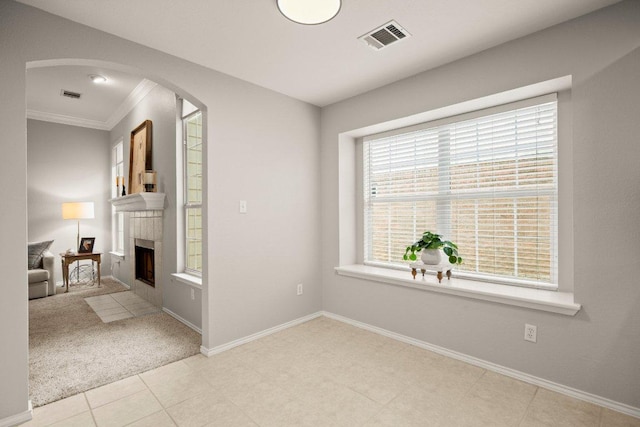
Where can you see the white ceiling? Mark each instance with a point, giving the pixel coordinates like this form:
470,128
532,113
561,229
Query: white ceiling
100,106
319,64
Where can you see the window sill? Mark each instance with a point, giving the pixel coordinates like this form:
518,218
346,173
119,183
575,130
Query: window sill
188,279
119,255
536,299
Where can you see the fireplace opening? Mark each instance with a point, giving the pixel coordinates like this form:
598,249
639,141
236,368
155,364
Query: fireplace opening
145,262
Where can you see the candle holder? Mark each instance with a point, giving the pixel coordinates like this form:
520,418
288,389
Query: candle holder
150,181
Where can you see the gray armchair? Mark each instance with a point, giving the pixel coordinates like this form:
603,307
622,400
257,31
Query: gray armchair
42,282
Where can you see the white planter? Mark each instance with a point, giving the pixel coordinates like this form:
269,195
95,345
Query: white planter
431,256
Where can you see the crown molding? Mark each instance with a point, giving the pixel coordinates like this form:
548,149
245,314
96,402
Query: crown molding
136,95
66,120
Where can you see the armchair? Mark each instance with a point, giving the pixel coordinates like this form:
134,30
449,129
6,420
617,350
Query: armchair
42,280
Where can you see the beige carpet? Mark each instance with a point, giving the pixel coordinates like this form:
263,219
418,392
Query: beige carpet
71,350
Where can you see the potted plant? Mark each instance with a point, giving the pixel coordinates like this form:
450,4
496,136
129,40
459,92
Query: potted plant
430,245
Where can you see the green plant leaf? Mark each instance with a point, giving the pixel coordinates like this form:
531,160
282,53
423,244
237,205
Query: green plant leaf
453,259
413,257
447,251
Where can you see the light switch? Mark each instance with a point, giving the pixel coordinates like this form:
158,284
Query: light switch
243,206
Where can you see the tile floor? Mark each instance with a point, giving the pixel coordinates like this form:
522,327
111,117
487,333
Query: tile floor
120,305
323,373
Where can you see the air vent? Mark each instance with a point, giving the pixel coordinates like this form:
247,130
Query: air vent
69,94
384,35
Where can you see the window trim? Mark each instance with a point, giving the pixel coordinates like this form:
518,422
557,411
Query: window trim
185,204
350,212
536,299
116,231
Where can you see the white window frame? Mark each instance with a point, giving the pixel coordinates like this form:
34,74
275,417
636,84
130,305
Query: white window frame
442,215
117,218
349,220
186,205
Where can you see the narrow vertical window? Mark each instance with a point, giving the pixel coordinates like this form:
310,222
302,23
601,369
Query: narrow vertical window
117,218
192,166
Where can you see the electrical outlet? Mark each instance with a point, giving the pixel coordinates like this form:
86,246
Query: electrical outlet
193,294
299,289
530,333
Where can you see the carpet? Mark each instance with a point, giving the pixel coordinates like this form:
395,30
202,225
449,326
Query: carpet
71,350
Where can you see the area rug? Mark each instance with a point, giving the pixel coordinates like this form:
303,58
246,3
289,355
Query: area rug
71,350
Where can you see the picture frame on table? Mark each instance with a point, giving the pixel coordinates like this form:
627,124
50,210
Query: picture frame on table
86,245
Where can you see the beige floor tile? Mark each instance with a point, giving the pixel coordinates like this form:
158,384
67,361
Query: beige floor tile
611,418
432,400
105,312
495,400
177,389
166,372
58,411
115,317
296,414
208,409
379,386
406,417
84,419
341,404
127,410
159,419
141,311
553,409
104,304
231,379
262,401
114,391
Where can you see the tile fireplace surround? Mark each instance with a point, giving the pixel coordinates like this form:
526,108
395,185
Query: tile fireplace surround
147,225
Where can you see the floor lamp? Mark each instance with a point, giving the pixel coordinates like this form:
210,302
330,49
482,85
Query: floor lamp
78,211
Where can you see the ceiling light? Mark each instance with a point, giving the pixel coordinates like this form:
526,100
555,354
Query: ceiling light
309,12
97,78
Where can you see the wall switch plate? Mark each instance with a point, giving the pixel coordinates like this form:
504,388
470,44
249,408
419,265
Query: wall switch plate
530,333
243,206
193,294
299,290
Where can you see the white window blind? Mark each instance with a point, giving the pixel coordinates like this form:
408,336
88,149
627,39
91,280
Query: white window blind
486,181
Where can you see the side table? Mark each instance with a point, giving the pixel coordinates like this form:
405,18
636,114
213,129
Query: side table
68,259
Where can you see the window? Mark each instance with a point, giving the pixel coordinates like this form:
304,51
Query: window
117,218
485,180
192,167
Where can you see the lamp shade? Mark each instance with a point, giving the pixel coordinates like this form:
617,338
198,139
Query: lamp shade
309,12
77,210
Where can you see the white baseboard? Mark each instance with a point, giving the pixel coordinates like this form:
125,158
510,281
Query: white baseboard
540,382
182,320
18,419
235,343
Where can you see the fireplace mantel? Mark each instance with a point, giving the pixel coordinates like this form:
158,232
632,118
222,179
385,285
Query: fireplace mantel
139,202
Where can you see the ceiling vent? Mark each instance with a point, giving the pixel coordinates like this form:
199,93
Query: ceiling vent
69,94
384,35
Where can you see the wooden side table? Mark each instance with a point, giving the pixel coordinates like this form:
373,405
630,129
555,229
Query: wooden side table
68,259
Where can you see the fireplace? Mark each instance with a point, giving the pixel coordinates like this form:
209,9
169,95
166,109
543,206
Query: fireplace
145,261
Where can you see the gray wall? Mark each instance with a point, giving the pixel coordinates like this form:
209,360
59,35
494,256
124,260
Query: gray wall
67,164
262,147
597,350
